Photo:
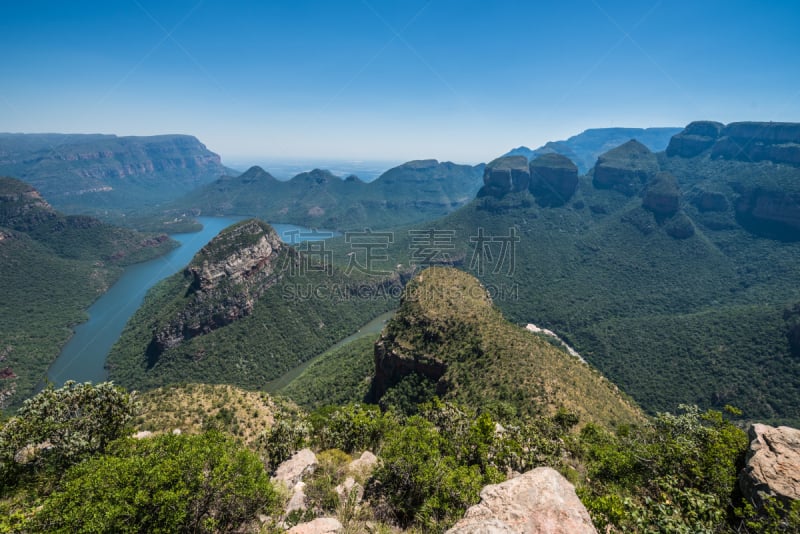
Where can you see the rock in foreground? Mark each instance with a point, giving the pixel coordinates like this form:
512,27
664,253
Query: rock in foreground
773,465
540,501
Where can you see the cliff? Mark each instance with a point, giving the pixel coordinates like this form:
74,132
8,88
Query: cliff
80,172
227,276
626,168
743,155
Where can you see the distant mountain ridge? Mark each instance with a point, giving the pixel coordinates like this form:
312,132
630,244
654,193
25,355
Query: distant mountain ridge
584,148
87,173
412,192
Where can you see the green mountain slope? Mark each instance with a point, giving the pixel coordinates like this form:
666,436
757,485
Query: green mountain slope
448,334
412,192
675,302
52,267
246,310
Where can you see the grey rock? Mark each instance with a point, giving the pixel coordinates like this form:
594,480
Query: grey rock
773,465
539,501
321,525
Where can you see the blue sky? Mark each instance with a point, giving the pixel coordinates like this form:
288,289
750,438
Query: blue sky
460,80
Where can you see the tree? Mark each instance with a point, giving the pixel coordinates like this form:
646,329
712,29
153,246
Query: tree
170,483
58,427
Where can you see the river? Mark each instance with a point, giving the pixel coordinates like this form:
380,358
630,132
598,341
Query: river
83,357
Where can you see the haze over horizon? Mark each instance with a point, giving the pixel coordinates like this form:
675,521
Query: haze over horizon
387,80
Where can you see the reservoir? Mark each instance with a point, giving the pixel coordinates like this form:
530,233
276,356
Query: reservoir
84,356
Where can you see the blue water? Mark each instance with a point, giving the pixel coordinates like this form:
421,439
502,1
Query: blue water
83,357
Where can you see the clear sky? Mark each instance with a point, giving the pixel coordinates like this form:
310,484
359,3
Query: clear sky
460,80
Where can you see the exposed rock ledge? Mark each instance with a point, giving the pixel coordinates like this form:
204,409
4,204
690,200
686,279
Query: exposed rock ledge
536,330
540,501
773,465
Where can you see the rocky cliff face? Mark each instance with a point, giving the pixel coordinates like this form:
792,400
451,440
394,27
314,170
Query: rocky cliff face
228,276
72,169
792,318
662,195
694,139
773,465
506,174
778,142
626,168
21,206
554,179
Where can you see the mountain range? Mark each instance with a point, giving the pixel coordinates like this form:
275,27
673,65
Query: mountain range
96,173
584,148
412,192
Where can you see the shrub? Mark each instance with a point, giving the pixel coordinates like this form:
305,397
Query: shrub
202,483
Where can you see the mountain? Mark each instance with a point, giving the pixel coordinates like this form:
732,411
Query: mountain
656,268
52,266
412,192
92,173
448,338
584,148
246,310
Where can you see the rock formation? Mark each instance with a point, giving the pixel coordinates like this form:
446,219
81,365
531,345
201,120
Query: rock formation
228,276
554,179
291,473
679,226
694,139
772,468
710,201
506,174
778,142
537,502
83,168
626,168
662,195
792,318
320,525
769,212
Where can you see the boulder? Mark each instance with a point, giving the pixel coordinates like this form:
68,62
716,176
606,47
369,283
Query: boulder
694,139
506,174
292,471
625,168
662,195
540,501
554,179
772,467
363,466
321,525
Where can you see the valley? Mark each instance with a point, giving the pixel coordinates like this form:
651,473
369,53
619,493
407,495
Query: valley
673,273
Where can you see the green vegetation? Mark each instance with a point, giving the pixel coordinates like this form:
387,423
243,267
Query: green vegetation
204,483
672,473
448,329
338,376
294,313
52,267
670,321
